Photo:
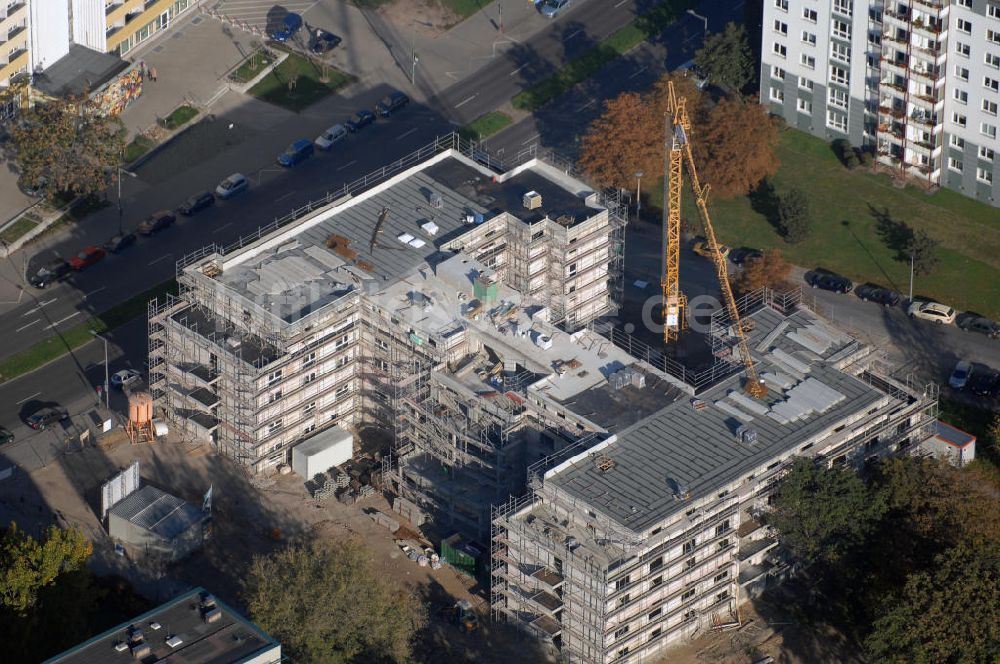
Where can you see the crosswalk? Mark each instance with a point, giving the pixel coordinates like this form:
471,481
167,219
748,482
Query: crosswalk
255,14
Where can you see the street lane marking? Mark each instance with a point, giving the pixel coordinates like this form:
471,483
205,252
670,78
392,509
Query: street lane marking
568,37
620,4
517,70
350,163
227,225
406,133
283,197
642,69
587,105
24,327
93,292
40,305
60,322
27,398
466,101
161,258
530,140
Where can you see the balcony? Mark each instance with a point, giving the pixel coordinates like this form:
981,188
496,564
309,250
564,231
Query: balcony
931,29
927,74
934,5
548,577
924,120
895,66
15,31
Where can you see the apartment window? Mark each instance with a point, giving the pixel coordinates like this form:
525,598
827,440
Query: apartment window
956,141
839,74
781,28
986,129
779,50
274,427
654,614
964,3
309,409
962,48
689,546
381,365
961,73
841,29
721,576
807,61
875,38
723,544
960,96
989,107
624,599
808,38
805,106
986,153
621,631
655,582
836,121
837,98
805,83
777,94
342,391
993,10
993,36
840,51
274,396
844,7
690,563
655,633
621,584
342,341
959,119
722,596
688,594
777,72
955,164
984,175
656,564
991,83
964,26
274,377
781,4
308,378
309,358
809,15
722,528
993,60
309,428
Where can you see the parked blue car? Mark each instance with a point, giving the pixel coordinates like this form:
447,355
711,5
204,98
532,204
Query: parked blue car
289,26
297,152
359,120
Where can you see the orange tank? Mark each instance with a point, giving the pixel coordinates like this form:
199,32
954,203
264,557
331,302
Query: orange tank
140,408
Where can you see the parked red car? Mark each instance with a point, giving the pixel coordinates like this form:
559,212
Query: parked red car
86,258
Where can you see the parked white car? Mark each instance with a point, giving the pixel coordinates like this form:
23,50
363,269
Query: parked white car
334,134
125,377
960,375
932,311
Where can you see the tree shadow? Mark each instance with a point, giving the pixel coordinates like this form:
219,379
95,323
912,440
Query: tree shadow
764,200
895,234
889,280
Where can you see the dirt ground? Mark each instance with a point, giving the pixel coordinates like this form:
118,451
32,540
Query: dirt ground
247,520
428,18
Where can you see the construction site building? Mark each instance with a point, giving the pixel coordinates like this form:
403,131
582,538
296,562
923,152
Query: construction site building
377,306
653,534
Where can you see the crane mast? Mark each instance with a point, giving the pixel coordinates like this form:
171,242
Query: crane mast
680,152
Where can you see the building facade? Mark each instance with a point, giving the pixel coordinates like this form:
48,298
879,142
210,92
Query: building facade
633,544
917,82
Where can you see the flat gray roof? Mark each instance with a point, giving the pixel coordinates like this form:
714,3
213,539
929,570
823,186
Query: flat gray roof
230,639
158,512
697,450
82,69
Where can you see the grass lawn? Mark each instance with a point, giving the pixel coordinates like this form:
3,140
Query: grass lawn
485,125
618,43
17,229
139,146
845,235
308,88
55,347
252,66
181,116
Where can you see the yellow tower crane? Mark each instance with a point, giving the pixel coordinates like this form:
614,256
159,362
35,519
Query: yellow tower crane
674,302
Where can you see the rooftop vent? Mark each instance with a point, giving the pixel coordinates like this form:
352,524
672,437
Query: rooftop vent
210,612
532,200
435,200
699,404
746,434
174,641
678,490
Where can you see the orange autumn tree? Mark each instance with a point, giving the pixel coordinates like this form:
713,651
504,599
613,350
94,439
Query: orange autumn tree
769,271
734,147
626,138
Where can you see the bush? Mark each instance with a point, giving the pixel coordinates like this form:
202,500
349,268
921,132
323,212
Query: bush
867,158
851,159
793,216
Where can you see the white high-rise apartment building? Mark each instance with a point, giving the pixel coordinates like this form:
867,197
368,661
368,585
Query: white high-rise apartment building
917,81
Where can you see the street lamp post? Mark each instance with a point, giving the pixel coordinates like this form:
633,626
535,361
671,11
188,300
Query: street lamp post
107,381
638,193
911,276
120,211
699,16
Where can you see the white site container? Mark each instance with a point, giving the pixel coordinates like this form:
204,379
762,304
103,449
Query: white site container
322,451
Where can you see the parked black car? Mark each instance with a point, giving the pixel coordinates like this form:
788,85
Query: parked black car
976,323
877,294
197,202
43,417
391,103
359,120
156,222
57,270
830,281
983,382
742,255
119,243
323,41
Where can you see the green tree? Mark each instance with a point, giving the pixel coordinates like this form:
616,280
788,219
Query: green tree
725,57
28,565
823,513
69,145
949,613
327,605
793,216
924,250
